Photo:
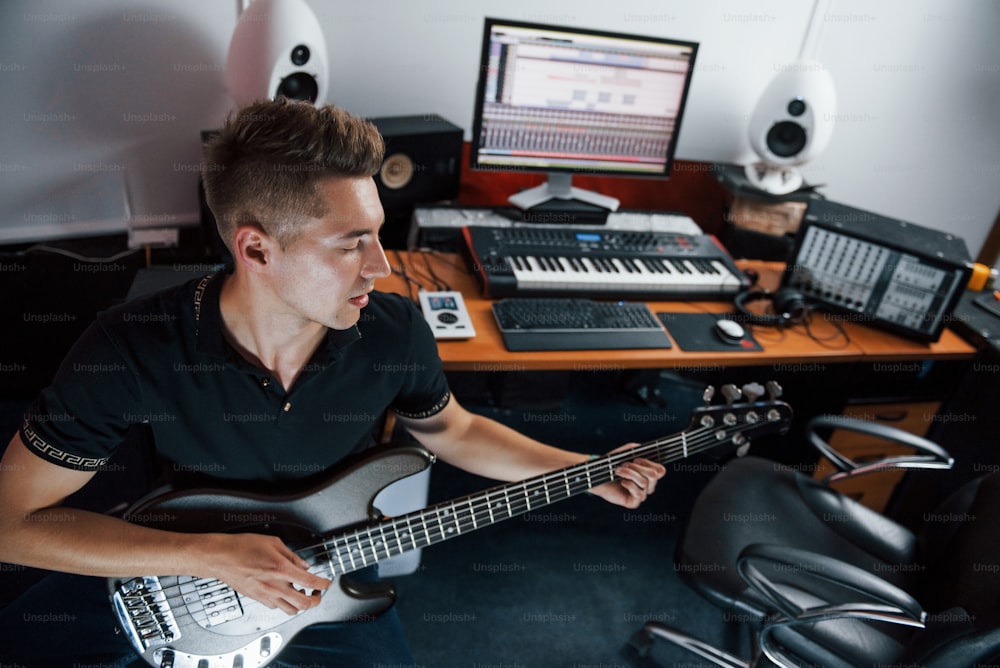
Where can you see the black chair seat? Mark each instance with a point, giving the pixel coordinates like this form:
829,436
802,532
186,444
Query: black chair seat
755,500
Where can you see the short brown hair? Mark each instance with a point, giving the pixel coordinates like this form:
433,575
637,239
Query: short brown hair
263,166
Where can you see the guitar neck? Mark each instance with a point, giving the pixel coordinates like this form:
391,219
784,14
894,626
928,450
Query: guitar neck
353,550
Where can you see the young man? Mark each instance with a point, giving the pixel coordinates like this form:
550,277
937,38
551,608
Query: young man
240,375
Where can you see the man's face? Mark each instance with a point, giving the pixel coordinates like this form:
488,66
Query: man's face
327,271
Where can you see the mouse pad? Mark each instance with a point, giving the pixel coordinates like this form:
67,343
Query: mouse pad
696,331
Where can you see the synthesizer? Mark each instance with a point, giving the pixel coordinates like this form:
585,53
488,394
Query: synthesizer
617,264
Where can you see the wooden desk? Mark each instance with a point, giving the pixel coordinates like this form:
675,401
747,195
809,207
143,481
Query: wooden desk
794,345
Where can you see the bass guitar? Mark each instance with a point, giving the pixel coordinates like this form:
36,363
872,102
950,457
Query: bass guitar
189,622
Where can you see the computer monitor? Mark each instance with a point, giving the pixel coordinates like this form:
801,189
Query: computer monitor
570,101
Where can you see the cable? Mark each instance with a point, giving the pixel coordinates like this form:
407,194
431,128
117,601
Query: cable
70,254
841,332
401,271
442,258
422,277
442,285
810,38
428,275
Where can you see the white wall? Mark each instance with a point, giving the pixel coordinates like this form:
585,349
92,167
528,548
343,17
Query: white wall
918,123
103,93
99,94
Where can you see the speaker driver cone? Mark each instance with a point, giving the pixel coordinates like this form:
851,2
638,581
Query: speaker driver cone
298,86
397,170
786,139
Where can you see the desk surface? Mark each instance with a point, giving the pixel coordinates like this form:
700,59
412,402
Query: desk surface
822,342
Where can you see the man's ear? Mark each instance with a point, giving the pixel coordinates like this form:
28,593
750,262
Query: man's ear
252,247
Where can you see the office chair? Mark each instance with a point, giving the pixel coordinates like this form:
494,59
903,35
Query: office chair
821,580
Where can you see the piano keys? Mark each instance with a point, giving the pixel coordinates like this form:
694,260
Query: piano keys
546,262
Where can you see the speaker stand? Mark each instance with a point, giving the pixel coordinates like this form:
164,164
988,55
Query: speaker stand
773,179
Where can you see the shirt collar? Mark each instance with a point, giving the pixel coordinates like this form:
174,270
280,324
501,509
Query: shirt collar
209,330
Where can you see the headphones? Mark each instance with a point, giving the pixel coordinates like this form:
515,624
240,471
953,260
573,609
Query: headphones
788,305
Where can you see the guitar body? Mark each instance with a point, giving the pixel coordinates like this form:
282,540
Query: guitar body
198,623
188,622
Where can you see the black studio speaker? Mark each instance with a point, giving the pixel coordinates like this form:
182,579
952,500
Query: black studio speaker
423,156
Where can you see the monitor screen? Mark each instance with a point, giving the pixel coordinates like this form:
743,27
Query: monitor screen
575,101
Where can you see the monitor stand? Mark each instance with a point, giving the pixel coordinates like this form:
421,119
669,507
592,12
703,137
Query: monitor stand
559,186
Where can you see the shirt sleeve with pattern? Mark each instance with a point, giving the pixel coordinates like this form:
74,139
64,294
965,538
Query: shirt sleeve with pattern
83,415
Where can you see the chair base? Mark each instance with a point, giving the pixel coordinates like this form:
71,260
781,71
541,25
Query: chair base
640,645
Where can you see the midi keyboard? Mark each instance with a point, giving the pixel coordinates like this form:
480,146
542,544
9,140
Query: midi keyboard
600,263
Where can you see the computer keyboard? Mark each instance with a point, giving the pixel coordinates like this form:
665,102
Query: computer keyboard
537,323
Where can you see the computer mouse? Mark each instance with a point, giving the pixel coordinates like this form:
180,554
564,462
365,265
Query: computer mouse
729,331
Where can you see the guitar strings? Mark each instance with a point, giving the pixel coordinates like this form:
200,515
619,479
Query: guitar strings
691,445
687,447
460,519
666,449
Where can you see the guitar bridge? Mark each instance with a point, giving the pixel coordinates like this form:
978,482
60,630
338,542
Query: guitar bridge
144,613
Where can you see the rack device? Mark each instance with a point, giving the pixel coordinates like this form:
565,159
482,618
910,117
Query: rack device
880,271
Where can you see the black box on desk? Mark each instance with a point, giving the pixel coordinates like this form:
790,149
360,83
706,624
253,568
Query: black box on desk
423,159
878,271
439,226
760,225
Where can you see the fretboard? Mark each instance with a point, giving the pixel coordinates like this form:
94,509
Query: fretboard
353,550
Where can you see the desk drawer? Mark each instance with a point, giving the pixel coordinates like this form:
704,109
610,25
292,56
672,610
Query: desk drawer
875,489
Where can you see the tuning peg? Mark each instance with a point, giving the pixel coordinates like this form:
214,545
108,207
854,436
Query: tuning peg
753,391
708,394
731,393
773,389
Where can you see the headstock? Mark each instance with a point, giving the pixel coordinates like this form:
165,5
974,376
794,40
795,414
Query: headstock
745,414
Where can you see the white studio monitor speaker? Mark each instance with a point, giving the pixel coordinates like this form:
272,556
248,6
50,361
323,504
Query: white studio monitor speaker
791,124
277,49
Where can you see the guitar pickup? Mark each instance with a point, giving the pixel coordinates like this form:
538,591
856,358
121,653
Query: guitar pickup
210,602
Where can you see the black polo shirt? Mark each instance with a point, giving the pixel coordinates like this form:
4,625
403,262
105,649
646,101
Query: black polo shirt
162,361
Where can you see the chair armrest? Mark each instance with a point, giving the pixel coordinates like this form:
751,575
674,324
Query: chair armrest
859,611
870,598
928,455
807,565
